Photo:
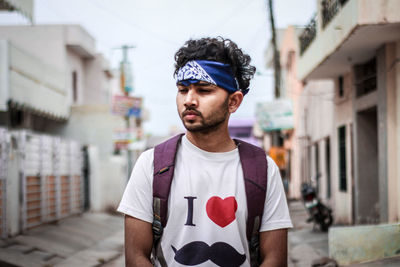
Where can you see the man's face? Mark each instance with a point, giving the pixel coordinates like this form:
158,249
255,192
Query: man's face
202,107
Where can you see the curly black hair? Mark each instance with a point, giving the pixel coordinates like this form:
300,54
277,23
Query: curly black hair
221,50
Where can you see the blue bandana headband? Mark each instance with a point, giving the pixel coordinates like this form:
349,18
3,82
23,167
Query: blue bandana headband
213,72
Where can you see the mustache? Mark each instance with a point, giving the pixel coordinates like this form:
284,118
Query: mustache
192,110
220,253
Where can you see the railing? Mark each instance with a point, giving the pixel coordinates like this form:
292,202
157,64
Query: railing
308,35
329,8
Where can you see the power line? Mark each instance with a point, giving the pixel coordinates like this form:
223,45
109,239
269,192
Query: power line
235,10
127,22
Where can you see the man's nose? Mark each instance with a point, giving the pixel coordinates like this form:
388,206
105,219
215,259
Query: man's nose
191,99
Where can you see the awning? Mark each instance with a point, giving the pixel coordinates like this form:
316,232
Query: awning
25,7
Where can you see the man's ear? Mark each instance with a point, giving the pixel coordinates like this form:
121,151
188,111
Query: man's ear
235,99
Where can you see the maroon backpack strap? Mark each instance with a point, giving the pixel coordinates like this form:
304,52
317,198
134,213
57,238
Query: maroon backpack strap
164,162
255,169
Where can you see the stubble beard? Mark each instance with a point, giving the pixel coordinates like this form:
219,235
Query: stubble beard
210,124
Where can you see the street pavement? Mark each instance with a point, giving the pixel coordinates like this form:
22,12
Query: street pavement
306,244
96,239
90,239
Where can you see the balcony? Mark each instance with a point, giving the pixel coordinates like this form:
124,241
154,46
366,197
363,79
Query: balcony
308,35
329,9
25,7
345,33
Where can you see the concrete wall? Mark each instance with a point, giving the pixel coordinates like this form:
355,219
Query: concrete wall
315,126
97,83
45,42
343,116
363,243
13,193
397,147
383,160
94,126
393,160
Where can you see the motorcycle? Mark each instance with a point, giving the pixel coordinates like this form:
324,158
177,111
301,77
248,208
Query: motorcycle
319,213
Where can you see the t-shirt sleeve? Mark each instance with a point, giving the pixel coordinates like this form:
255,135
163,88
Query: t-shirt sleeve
138,196
276,212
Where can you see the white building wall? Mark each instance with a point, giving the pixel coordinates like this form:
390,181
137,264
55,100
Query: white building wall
108,175
97,83
343,116
45,42
397,70
316,116
393,196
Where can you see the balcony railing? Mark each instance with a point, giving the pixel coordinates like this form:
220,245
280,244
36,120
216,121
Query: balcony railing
329,8
308,35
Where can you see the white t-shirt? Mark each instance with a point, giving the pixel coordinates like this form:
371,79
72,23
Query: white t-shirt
207,207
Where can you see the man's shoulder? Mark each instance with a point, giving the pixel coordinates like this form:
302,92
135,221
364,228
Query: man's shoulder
146,157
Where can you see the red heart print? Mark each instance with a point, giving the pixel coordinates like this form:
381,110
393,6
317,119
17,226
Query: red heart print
221,211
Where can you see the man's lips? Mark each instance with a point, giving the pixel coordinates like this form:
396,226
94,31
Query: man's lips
190,114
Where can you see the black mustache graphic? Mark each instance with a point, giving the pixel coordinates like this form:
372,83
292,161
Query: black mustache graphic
219,253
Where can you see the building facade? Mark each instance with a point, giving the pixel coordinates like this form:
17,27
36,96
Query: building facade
355,44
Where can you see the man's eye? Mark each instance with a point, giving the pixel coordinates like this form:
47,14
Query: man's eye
203,90
182,90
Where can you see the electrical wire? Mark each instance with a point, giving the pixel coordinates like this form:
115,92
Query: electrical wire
130,23
235,10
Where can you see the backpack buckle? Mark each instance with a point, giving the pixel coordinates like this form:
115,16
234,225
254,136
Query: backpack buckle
157,228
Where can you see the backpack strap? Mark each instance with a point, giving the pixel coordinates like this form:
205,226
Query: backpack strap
164,163
255,171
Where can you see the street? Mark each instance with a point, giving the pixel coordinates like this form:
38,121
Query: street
305,243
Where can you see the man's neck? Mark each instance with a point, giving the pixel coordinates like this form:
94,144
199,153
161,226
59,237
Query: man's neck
218,141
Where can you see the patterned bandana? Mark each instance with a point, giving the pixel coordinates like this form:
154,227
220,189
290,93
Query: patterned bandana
213,72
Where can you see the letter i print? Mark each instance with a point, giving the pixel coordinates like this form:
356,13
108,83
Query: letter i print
189,219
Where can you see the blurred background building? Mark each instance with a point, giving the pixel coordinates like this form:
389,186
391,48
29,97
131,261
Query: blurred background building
58,156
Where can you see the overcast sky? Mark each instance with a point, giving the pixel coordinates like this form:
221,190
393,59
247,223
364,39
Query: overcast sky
159,27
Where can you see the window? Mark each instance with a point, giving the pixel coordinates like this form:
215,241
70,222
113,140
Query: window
340,86
74,86
317,172
328,167
342,159
365,75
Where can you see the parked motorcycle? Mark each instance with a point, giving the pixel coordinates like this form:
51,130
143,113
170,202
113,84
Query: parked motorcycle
319,213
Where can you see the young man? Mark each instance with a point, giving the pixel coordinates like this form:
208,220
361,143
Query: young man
207,209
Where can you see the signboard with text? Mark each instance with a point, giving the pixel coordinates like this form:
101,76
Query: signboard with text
127,106
278,155
275,115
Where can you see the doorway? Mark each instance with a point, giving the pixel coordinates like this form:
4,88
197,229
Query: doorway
367,187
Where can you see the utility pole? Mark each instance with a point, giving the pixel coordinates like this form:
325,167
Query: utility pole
277,64
127,87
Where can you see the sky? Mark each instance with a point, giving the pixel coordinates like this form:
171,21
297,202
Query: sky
158,28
